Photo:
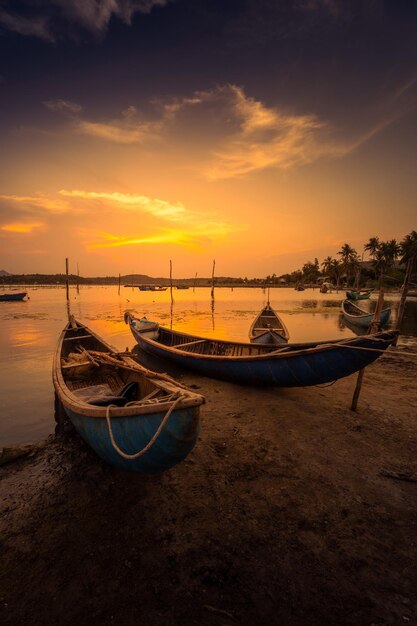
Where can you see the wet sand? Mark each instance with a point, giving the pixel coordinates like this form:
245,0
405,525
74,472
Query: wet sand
291,510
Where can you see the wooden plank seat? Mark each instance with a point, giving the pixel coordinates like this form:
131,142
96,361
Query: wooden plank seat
77,337
185,346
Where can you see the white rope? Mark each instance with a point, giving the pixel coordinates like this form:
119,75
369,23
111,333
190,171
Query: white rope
136,455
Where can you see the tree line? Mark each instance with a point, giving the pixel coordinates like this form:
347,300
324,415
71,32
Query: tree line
347,265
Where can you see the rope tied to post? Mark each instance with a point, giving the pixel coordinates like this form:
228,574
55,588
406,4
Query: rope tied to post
149,445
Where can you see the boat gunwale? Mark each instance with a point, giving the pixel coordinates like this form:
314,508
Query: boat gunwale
78,406
322,346
362,314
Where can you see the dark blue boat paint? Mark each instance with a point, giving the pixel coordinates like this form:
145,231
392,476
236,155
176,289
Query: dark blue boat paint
290,370
133,433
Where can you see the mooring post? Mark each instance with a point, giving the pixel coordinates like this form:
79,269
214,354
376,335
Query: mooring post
118,291
170,279
404,292
66,278
212,279
373,326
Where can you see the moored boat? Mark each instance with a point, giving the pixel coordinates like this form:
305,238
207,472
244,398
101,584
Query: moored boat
356,315
13,296
133,418
292,365
268,328
358,294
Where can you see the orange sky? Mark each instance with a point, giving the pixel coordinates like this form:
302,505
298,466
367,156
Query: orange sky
217,172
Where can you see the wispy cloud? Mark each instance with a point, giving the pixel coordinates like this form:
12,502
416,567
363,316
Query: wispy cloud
195,236
63,106
155,206
238,134
40,201
34,26
21,227
48,17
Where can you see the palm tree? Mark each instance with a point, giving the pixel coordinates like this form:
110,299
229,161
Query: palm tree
386,254
372,246
408,248
349,259
336,269
327,265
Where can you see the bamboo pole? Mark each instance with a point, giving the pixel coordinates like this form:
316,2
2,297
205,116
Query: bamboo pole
78,279
212,279
118,291
66,278
170,279
372,328
404,292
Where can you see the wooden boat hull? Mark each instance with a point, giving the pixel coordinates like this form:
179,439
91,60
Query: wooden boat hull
355,295
268,328
133,426
361,318
133,433
308,364
12,297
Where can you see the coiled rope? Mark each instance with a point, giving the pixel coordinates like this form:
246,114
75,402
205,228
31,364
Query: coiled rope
136,455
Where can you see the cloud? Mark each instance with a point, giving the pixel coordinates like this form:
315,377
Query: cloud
63,106
50,17
196,235
159,208
21,227
40,201
237,134
35,26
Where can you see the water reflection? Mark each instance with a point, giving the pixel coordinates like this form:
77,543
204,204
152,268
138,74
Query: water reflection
29,332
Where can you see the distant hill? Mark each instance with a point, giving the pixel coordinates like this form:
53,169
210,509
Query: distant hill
4,273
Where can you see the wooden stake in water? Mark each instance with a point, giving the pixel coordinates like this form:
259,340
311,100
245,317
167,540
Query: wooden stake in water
118,291
170,279
78,279
404,292
212,279
372,328
66,278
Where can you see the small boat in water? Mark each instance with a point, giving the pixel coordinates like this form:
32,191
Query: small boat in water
356,315
358,294
13,296
268,328
291,365
182,287
133,418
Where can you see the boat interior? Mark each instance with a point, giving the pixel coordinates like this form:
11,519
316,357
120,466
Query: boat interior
96,382
213,347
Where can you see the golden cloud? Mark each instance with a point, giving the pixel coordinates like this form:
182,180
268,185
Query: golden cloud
154,206
39,201
21,227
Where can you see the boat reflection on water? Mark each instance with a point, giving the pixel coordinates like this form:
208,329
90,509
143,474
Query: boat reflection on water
408,325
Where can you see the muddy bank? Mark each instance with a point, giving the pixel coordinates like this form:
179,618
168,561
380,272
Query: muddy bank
287,512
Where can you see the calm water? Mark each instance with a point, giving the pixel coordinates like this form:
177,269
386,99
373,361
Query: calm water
29,332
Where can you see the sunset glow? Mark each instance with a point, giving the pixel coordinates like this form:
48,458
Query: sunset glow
265,156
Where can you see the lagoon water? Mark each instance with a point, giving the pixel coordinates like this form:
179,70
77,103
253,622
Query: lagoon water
29,332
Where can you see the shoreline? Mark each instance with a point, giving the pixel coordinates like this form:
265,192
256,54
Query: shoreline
291,509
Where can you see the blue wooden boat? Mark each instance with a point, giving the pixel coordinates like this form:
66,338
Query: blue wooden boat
355,315
133,418
13,296
293,365
358,294
268,328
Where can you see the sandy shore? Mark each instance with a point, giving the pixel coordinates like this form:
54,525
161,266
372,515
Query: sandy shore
288,511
